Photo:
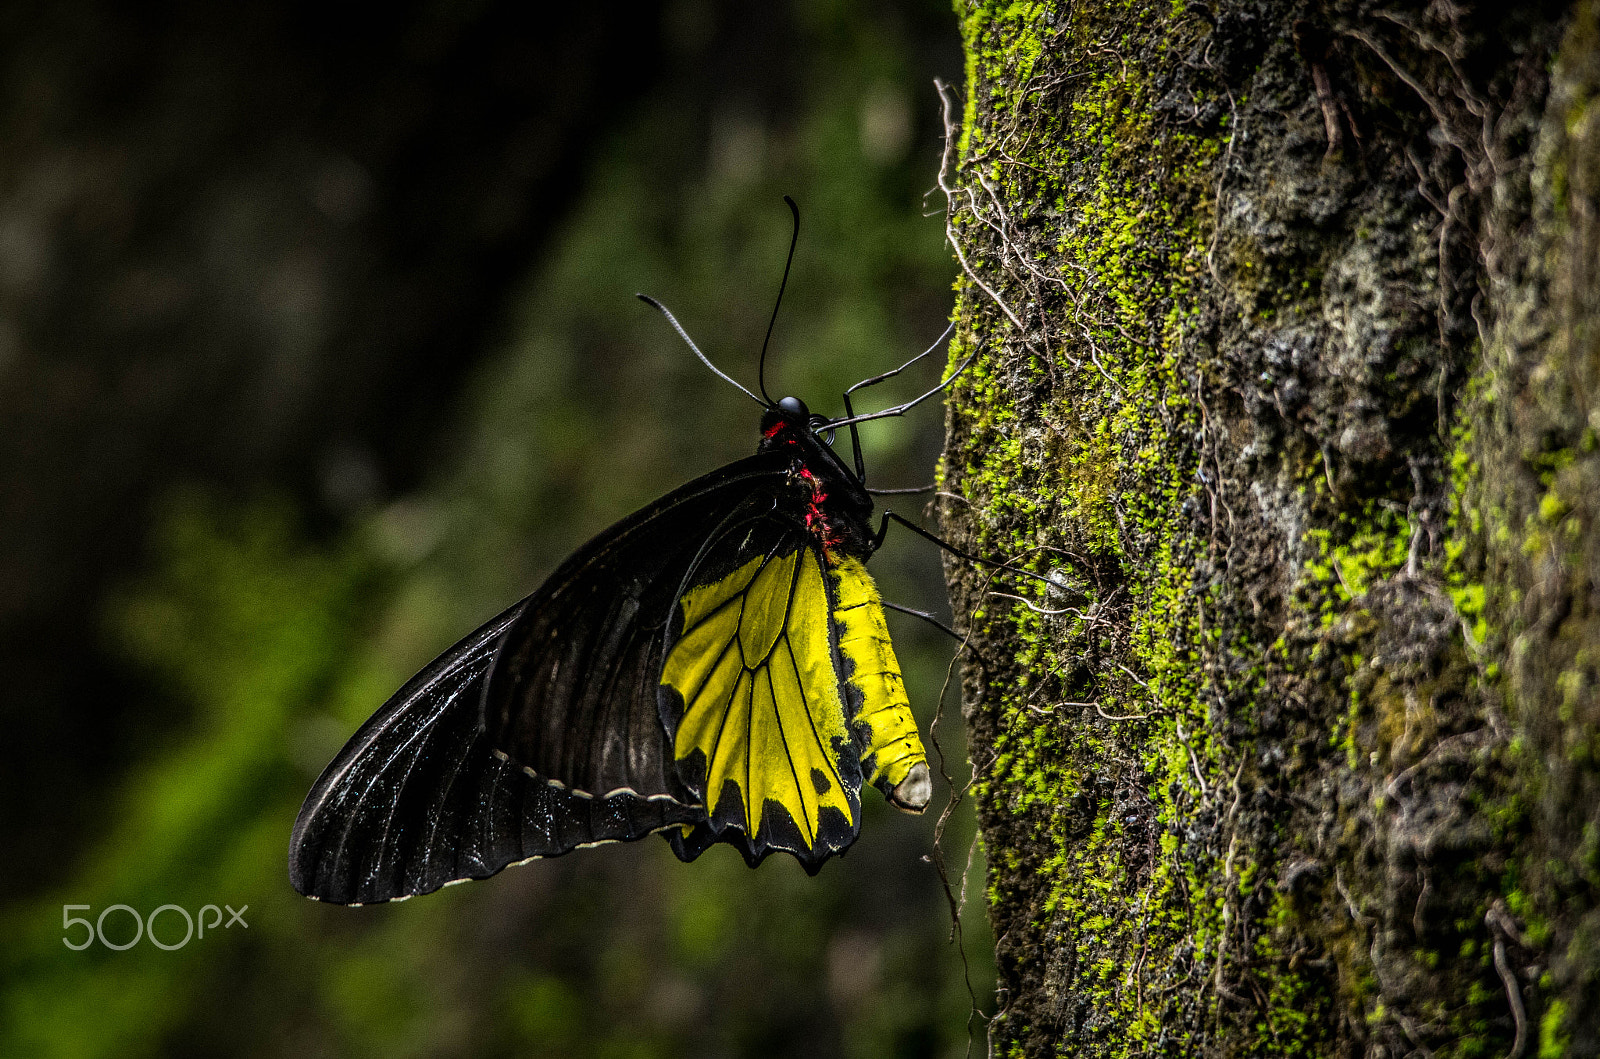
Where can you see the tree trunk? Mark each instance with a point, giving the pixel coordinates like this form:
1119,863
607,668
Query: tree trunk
1287,382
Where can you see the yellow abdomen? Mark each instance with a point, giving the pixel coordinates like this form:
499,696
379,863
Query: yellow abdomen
893,747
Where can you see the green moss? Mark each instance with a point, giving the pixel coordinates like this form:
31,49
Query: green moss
1110,466
1553,1040
1105,446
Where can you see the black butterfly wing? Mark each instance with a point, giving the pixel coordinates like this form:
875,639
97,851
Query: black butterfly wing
419,798
572,695
529,737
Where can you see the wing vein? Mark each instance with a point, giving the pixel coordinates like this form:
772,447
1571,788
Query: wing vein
689,700
799,792
749,746
424,731
805,701
716,744
443,798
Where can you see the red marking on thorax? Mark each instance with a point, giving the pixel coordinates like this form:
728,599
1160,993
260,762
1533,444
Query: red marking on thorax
817,522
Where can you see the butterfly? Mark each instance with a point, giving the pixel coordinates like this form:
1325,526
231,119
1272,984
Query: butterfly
714,668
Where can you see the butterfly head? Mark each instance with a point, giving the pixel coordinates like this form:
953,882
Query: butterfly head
790,424
786,420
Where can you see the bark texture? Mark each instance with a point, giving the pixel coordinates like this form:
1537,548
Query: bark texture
1288,383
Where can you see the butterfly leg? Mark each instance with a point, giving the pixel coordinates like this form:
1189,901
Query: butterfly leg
850,412
883,531
929,618
855,435
864,383
902,409
913,491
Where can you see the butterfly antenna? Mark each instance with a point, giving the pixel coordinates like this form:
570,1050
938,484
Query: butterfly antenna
673,320
761,371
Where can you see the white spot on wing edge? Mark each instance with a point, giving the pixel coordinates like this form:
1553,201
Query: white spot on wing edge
550,781
511,864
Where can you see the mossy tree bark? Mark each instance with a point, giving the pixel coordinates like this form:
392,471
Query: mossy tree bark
1287,323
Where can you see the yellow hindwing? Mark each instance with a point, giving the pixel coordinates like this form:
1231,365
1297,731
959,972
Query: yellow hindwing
761,697
761,700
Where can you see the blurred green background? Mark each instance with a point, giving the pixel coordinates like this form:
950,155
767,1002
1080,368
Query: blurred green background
317,348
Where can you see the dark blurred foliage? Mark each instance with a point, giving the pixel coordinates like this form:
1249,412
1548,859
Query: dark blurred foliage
317,347
246,245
